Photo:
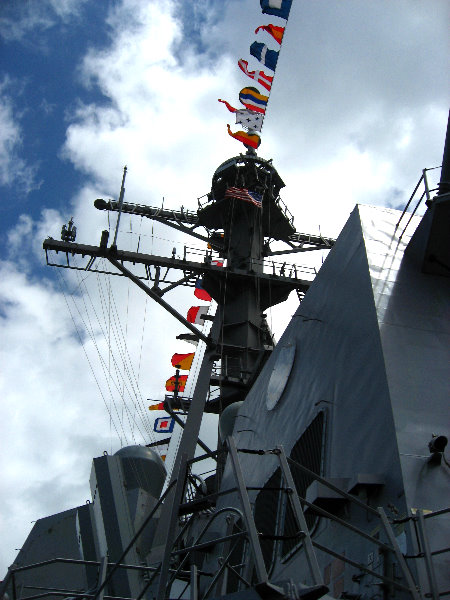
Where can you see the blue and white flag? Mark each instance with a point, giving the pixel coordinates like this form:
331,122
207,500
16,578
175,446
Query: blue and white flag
164,425
249,119
278,8
265,56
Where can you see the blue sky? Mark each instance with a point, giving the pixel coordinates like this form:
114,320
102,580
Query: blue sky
39,75
358,108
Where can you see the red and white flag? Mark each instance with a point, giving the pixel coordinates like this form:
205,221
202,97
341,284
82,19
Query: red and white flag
259,76
196,313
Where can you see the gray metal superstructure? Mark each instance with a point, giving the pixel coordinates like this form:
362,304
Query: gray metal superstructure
370,375
332,478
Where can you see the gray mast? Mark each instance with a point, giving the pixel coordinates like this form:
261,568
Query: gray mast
242,215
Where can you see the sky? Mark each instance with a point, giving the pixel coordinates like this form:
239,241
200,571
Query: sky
358,108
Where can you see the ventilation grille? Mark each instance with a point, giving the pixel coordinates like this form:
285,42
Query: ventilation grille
307,452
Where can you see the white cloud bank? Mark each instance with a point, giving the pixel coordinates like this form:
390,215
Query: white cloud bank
357,110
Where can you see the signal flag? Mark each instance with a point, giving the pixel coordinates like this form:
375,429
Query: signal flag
183,361
266,56
252,99
251,140
195,314
259,76
275,31
200,291
171,382
278,8
164,425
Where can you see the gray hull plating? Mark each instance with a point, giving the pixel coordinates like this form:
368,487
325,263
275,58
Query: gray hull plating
353,392
372,354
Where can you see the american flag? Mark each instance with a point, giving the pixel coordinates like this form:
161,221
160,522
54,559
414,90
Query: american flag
243,194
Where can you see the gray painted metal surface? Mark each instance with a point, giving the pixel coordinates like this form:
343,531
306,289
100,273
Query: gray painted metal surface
280,374
52,537
369,348
373,354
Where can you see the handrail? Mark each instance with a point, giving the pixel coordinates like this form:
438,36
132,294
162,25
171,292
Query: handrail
184,553
202,533
426,193
333,487
118,564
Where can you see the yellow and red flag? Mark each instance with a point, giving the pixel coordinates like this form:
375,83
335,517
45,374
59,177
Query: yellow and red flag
275,31
170,383
183,361
248,139
159,406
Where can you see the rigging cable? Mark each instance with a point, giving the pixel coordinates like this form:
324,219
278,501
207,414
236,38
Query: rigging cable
130,371
87,356
92,337
109,326
91,333
122,354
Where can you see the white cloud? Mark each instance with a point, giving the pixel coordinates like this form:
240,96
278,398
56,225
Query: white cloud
161,112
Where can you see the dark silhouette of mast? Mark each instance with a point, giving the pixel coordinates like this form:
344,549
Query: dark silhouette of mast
240,231
242,214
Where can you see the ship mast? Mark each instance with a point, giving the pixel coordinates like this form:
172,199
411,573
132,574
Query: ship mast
240,231
243,213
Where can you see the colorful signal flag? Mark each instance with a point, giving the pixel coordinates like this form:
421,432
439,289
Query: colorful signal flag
164,425
275,31
259,76
200,291
252,99
171,382
195,314
278,8
183,361
248,139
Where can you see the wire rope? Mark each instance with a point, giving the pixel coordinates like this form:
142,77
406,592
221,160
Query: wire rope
90,328
102,362
145,310
92,335
109,319
142,411
126,333
142,338
128,367
60,283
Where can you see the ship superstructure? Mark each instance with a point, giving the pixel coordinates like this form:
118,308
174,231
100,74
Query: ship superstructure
331,480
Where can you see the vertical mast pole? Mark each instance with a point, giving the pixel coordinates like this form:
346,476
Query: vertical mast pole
444,184
122,194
